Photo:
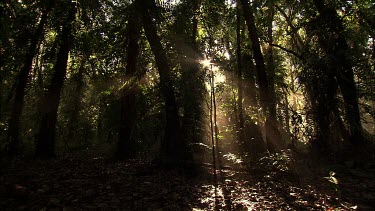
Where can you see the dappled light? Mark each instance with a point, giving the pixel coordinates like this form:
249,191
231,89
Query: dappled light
233,158
187,105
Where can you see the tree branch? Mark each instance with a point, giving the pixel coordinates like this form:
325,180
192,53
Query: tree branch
291,25
288,51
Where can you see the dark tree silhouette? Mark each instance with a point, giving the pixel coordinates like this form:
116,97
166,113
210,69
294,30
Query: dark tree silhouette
45,147
333,42
125,147
273,136
13,138
173,146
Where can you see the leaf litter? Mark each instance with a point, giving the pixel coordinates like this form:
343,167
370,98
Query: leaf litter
92,183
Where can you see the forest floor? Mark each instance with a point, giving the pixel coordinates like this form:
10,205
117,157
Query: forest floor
278,182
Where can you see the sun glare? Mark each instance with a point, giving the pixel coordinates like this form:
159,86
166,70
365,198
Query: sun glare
205,62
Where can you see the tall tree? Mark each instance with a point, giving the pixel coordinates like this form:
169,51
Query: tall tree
273,136
334,43
239,74
270,61
45,146
13,138
173,146
129,92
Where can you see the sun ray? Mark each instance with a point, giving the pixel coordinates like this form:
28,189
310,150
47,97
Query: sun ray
205,62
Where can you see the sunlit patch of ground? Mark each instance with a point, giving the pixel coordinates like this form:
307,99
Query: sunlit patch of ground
233,158
215,198
252,194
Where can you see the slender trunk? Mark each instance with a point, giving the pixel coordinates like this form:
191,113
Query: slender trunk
125,148
271,65
13,138
173,145
212,124
273,135
287,116
217,144
45,146
239,77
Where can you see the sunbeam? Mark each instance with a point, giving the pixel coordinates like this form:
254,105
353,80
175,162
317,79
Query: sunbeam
205,62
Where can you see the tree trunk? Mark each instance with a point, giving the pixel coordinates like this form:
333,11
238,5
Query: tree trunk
287,118
172,146
271,69
273,135
13,138
239,77
271,65
45,146
334,43
125,146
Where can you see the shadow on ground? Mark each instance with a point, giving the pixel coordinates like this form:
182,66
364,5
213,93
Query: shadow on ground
136,185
